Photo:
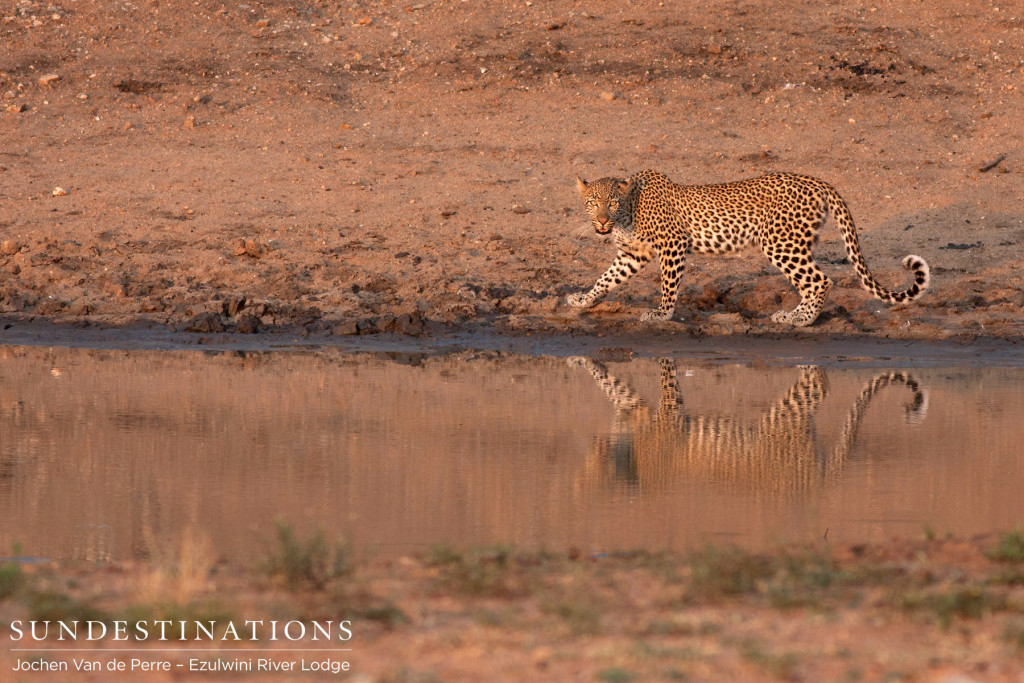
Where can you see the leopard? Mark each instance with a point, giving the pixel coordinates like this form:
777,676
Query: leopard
777,451
647,214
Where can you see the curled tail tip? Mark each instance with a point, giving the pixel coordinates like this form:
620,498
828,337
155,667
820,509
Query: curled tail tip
922,273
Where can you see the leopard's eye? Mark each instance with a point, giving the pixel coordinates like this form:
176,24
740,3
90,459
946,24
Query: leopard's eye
613,204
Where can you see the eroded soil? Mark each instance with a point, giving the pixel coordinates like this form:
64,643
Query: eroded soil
371,166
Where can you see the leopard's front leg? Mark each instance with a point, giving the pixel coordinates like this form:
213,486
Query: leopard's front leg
626,264
673,259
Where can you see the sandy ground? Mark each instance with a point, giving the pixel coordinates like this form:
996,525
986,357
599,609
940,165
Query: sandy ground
364,166
355,167
926,610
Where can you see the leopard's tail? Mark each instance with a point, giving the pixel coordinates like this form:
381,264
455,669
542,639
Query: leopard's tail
922,274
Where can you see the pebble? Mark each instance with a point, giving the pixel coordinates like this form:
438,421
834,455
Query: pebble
607,96
348,327
48,78
248,324
205,322
59,192
15,108
9,248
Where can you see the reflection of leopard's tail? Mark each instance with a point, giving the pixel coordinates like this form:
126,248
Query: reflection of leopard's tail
922,274
914,411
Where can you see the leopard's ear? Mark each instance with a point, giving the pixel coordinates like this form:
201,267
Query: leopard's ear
625,186
581,185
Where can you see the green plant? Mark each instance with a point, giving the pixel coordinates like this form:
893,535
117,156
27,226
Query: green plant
615,675
48,605
311,562
727,571
11,579
1010,548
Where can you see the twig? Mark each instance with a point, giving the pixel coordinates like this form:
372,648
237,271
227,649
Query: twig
992,164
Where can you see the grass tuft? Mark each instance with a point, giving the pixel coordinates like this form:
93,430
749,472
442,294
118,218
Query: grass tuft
310,562
1010,548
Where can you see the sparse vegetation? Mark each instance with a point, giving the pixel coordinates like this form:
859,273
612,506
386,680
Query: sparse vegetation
665,618
616,675
490,572
1010,548
970,602
306,563
11,579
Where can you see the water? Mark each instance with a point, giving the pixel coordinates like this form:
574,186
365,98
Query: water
118,455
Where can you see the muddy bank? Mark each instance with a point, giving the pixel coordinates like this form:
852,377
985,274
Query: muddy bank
367,168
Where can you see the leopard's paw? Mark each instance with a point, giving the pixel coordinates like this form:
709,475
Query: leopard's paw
656,315
578,300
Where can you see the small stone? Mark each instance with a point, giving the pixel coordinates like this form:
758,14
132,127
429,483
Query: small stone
607,96
15,108
409,323
235,304
349,327
48,78
9,248
205,322
250,248
248,324
59,192
190,122
520,209
80,308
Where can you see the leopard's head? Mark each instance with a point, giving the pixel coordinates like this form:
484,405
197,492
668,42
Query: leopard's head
603,199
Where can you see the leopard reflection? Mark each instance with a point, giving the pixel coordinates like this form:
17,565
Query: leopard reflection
778,453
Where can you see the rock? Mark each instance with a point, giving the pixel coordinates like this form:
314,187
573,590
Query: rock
520,209
349,327
235,304
205,322
409,323
9,248
607,96
48,78
251,248
725,323
15,108
80,308
59,192
190,122
367,327
247,324
549,304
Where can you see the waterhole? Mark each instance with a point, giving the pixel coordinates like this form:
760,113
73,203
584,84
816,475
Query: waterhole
120,455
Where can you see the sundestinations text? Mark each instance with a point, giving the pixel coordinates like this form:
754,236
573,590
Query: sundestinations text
182,630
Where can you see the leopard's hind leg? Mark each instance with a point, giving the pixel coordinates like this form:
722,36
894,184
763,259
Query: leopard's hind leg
794,258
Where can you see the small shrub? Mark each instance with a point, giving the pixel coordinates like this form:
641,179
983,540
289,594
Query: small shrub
727,572
1010,548
11,579
53,606
966,603
616,675
312,562
1014,634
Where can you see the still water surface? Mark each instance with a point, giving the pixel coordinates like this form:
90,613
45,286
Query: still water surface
114,455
